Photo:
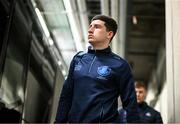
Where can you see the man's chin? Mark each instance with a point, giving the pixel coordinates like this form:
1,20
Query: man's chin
91,42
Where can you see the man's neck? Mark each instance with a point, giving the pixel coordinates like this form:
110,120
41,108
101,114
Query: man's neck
99,47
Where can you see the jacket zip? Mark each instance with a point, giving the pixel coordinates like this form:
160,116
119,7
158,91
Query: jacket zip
101,115
92,64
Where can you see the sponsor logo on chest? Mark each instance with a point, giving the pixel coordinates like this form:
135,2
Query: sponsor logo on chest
148,114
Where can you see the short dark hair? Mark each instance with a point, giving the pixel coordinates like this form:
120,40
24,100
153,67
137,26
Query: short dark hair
110,23
139,84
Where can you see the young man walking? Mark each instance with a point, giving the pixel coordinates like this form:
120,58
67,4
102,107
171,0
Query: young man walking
96,79
147,114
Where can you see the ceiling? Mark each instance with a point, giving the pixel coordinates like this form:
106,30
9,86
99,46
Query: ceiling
145,33
143,28
145,38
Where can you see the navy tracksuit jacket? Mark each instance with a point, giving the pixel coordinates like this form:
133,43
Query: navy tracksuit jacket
90,92
148,115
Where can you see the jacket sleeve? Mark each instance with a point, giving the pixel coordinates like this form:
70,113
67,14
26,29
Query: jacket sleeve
65,100
127,93
158,118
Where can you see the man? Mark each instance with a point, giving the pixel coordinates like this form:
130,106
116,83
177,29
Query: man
146,113
96,79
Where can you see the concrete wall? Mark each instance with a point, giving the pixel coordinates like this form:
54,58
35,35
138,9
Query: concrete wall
173,59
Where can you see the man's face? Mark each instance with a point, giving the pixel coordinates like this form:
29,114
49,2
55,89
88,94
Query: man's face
97,33
140,94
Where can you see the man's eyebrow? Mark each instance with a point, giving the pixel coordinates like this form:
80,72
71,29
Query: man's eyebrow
95,25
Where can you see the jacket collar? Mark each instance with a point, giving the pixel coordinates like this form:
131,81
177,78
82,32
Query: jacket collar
143,104
106,50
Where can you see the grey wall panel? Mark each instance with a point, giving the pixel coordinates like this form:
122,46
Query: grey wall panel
173,59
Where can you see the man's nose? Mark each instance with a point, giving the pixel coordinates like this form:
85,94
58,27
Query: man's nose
90,30
137,94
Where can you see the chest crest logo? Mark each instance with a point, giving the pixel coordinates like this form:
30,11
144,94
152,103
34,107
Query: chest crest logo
104,71
148,114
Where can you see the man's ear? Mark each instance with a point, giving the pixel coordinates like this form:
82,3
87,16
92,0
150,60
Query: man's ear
110,34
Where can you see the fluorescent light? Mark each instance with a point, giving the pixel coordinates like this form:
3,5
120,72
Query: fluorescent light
50,41
73,25
134,20
63,72
43,24
59,63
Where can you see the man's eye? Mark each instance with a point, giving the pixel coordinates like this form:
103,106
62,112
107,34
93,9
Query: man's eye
96,26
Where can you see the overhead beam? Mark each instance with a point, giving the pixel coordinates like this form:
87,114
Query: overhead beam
74,24
142,53
83,19
105,7
148,1
115,15
122,26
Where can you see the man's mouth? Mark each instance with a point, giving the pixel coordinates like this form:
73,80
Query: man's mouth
90,36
